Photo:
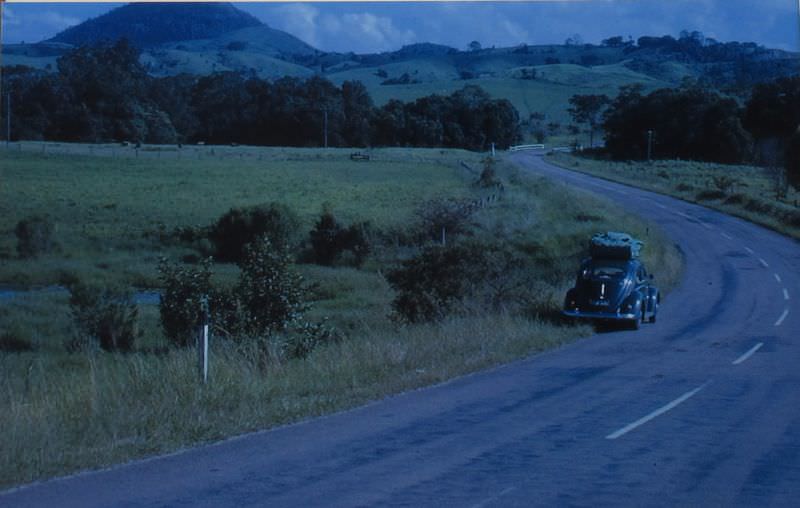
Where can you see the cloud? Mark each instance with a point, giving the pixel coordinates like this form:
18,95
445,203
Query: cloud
364,29
10,18
55,20
301,21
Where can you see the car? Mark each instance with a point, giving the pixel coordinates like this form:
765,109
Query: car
613,285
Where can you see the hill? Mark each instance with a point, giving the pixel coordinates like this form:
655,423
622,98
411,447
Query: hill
149,24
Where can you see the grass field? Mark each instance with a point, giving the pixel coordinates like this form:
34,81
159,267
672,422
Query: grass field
750,192
64,411
110,211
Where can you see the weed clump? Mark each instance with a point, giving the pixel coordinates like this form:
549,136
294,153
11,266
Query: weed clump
34,237
104,316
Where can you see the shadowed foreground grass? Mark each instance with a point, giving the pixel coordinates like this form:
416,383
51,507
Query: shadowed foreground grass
64,412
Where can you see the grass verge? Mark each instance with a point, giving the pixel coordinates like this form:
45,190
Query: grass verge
752,193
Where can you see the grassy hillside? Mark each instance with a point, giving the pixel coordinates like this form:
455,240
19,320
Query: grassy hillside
549,93
64,411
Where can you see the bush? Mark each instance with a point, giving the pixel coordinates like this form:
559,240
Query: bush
241,226
429,285
329,240
473,277
183,298
269,292
451,215
265,306
104,316
488,176
15,341
34,237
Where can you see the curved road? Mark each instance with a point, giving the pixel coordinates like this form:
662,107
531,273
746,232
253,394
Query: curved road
702,408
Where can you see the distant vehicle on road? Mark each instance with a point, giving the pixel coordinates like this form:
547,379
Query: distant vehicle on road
613,285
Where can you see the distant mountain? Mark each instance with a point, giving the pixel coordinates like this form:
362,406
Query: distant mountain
149,24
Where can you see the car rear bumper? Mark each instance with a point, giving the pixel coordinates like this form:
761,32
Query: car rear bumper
576,313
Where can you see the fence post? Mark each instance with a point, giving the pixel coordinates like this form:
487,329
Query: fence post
203,340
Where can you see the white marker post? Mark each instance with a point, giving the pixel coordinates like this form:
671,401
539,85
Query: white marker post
203,339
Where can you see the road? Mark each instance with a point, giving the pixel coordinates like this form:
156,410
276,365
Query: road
701,409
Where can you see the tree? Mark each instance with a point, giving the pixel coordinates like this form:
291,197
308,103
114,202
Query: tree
474,46
358,111
587,109
688,123
613,42
793,159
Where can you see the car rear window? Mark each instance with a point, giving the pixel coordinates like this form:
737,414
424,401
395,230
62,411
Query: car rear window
613,272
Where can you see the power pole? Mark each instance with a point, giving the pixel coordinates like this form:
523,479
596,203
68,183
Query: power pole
649,145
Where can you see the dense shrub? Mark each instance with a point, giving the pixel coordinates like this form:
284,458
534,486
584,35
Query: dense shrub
264,308
182,300
451,215
15,341
241,226
34,237
270,293
473,277
430,284
329,240
104,316
488,176
325,239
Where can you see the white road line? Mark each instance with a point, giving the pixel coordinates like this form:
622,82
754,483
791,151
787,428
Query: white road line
661,206
779,322
492,499
658,412
785,294
763,263
749,250
727,236
778,278
748,354
685,215
706,225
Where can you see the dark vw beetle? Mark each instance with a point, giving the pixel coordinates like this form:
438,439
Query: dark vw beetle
613,288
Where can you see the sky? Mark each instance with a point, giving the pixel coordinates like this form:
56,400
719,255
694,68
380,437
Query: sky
367,27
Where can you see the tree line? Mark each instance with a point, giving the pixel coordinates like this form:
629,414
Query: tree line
104,94
693,122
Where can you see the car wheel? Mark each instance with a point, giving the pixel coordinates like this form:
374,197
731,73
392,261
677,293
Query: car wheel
635,322
655,310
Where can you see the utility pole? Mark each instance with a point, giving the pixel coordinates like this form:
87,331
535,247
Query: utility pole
325,129
649,145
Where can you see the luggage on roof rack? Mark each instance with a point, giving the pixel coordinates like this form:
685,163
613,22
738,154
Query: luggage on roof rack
614,245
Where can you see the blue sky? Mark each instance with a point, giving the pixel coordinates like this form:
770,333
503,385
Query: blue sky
371,27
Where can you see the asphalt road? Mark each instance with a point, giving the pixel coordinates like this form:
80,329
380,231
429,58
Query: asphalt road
700,409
